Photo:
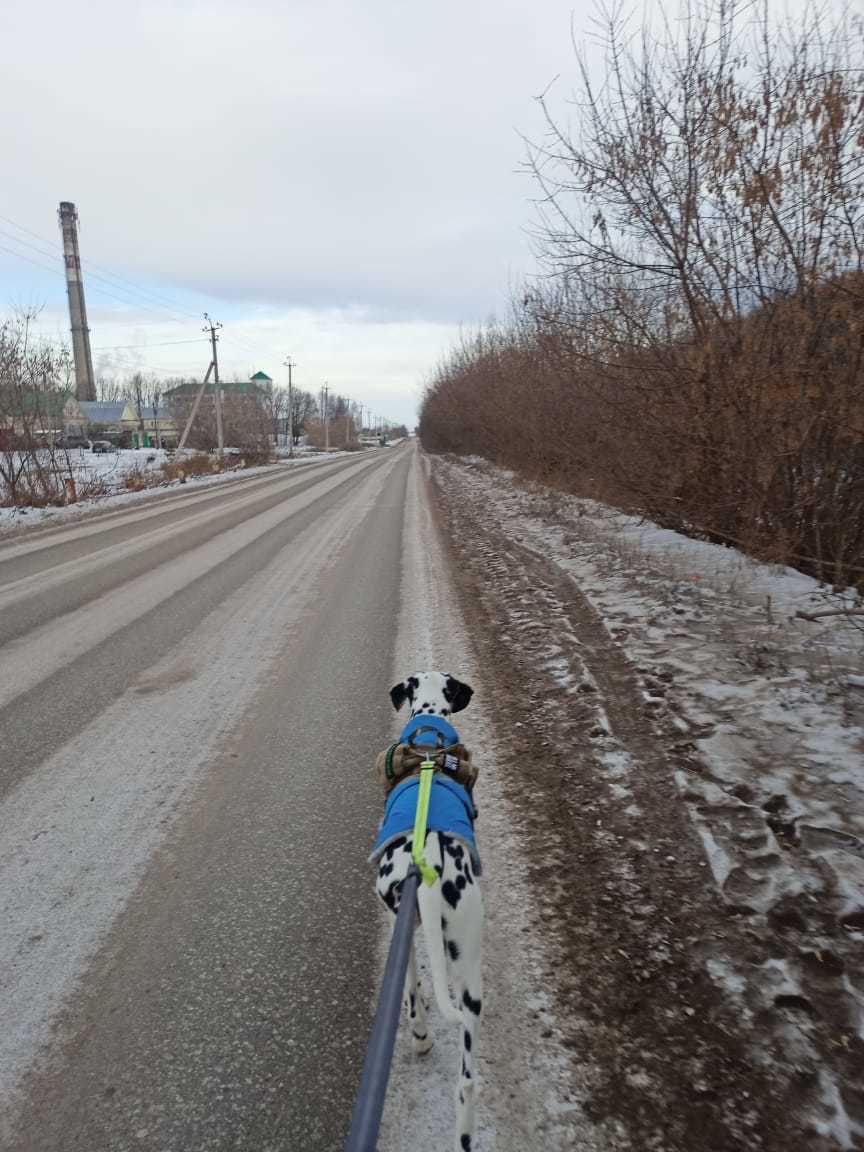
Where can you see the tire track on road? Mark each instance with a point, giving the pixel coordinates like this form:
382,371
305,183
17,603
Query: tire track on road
31,600
70,692
20,553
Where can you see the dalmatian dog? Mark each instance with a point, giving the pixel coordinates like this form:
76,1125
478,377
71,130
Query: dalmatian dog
451,909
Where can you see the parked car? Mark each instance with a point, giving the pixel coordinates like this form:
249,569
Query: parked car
71,442
103,446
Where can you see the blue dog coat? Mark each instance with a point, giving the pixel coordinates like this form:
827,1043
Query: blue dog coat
450,810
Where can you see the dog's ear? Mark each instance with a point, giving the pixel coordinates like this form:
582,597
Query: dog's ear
458,694
403,691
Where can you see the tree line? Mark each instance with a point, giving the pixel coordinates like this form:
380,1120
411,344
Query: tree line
692,349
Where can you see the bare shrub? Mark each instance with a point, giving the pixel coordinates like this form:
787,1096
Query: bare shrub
138,478
201,464
696,351
255,457
34,386
246,416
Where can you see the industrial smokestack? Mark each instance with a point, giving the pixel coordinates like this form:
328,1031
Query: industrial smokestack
85,384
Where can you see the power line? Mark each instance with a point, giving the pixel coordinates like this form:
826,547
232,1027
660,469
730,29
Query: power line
53,254
153,344
30,260
156,304
245,346
111,318
121,281
93,287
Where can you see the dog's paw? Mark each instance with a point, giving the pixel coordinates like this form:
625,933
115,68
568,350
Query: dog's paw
422,1044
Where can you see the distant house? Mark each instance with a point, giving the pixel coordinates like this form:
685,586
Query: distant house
256,386
160,427
246,408
97,415
263,381
119,421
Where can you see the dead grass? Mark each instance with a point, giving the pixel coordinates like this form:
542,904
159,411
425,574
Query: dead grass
201,464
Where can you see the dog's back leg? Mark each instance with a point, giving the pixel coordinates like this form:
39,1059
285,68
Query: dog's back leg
463,937
415,1007
468,981
392,870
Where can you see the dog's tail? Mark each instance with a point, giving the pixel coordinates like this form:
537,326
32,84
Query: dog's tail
431,910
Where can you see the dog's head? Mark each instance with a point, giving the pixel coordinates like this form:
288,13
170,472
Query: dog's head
431,694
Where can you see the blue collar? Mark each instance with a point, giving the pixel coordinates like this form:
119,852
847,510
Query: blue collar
427,730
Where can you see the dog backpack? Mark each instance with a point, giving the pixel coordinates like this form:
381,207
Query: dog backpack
400,761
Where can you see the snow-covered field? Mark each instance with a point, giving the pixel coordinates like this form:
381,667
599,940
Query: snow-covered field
651,657
112,470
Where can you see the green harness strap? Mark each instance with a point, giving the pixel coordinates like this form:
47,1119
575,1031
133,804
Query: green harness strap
389,771
427,769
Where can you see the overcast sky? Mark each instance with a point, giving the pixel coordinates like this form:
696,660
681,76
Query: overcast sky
336,181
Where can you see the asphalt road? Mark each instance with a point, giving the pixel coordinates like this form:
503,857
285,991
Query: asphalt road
191,695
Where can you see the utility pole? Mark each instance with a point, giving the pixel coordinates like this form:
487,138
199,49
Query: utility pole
85,382
212,329
191,418
290,365
326,419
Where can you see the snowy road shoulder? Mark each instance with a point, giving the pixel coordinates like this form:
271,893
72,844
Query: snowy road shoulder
674,674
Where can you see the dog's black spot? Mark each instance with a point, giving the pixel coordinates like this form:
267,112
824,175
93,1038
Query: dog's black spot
386,869
393,845
457,694
443,924
455,850
390,896
451,893
417,1036
445,711
467,1040
399,693
472,1005
461,882
465,1141
466,1075
453,949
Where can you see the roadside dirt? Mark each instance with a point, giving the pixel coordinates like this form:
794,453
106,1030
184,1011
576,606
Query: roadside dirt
647,950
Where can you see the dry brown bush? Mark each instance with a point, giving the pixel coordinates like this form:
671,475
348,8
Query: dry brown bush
696,352
201,464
